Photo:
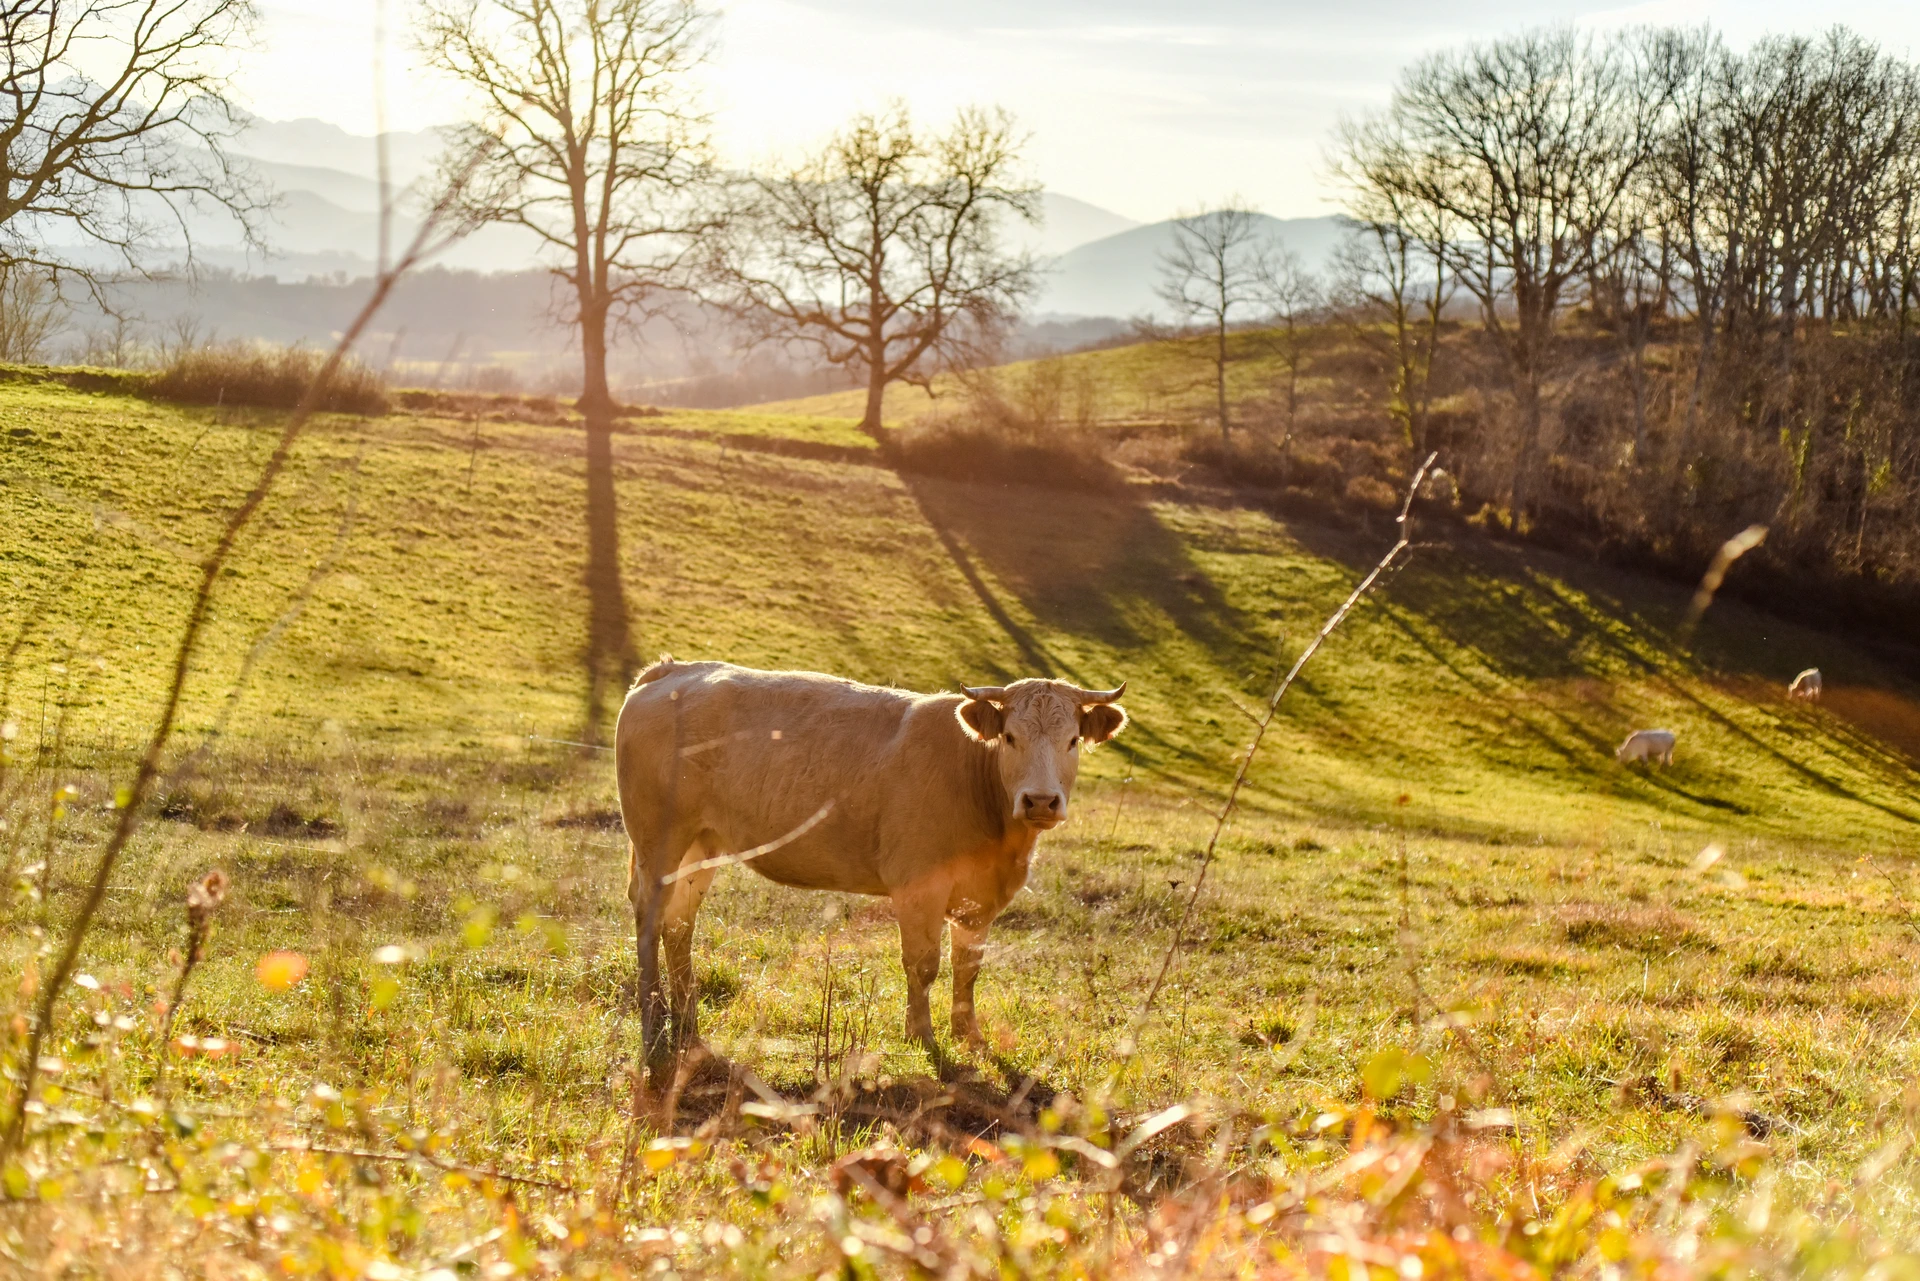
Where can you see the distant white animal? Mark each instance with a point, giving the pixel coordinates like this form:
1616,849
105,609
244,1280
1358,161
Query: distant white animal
1806,685
1647,745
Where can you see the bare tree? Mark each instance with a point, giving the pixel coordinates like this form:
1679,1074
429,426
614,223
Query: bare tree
115,123
1391,272
592,142
1528,145
1290,295
29,309
1216,271
882,251
1683,198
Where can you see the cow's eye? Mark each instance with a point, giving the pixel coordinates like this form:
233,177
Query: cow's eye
1009,739
1074,741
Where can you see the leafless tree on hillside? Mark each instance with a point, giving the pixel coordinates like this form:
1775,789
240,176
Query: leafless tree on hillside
594,144
1217,271
1290,295
115,124
28,311
1391,274
882,251
1528,145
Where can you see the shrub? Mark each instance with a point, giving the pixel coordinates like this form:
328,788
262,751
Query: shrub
1026,433
988,455
277,377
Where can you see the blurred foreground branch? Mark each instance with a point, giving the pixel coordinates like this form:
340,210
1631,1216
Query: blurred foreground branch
436,230
1260,729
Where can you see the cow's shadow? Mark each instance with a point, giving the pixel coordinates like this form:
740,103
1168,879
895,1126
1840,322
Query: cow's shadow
959,1103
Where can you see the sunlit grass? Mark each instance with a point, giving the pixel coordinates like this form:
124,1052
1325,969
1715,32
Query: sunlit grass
389,808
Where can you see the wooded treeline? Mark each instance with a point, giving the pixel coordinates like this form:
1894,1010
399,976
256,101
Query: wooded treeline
1691,276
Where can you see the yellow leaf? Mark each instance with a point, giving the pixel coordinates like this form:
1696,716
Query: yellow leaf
1384,1073
278,971
950,1170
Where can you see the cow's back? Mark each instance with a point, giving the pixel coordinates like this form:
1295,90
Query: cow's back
747,757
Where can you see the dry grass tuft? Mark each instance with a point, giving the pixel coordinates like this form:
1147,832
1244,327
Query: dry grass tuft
1637,927
275,377
1539,961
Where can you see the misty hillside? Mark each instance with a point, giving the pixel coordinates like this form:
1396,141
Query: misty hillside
1118,275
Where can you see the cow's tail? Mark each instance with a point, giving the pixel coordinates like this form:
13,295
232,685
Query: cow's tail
661,667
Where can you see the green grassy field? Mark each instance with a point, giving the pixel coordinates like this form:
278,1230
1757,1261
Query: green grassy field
1535,919
1150,382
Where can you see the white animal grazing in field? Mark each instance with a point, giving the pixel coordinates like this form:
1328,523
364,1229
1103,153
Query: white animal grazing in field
932,800
1807,685
1647,745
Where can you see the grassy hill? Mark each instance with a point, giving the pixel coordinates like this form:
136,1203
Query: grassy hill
384,779
1490,682
1135,382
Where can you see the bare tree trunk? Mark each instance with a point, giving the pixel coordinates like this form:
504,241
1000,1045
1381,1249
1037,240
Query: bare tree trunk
1637,369
1220,377
1703,361
876,398
1527,461
596,398
876,340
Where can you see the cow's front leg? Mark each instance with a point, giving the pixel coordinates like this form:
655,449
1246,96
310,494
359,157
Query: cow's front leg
920,918
969,945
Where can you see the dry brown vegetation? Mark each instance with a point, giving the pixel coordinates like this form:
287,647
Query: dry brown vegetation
273,377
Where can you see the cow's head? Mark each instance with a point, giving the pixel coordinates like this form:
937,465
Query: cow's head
1035,730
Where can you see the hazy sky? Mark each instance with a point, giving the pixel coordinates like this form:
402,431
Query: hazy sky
1143,106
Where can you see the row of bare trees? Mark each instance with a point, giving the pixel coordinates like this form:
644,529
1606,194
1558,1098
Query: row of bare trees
1691,275
882,251
1224,272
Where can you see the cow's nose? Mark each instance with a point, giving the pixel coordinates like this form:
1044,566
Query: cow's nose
1040,804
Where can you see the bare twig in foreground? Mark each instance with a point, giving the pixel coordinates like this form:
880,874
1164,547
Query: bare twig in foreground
427,1158
431,236
1246,761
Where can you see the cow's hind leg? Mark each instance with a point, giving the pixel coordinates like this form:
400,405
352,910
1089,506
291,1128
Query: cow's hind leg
676,933
649,899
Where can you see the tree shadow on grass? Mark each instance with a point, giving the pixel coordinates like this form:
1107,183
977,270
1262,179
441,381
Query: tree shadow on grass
1086,565
1524,621
609,653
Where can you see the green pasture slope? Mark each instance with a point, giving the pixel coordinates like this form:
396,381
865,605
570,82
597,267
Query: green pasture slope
1488,684
385,778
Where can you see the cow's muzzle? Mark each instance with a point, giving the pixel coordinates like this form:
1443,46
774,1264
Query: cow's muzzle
1042,809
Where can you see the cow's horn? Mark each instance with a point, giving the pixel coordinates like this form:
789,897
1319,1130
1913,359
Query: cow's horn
986,693
1089,697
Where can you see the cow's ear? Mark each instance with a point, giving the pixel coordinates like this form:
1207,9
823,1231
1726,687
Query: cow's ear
981,719
1102,721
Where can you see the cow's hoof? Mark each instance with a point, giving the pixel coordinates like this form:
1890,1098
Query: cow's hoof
970,1035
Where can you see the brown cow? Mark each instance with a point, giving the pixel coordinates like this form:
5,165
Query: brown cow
932,800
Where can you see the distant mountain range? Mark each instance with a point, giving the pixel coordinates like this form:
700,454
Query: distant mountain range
325,222
487,311
327,215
